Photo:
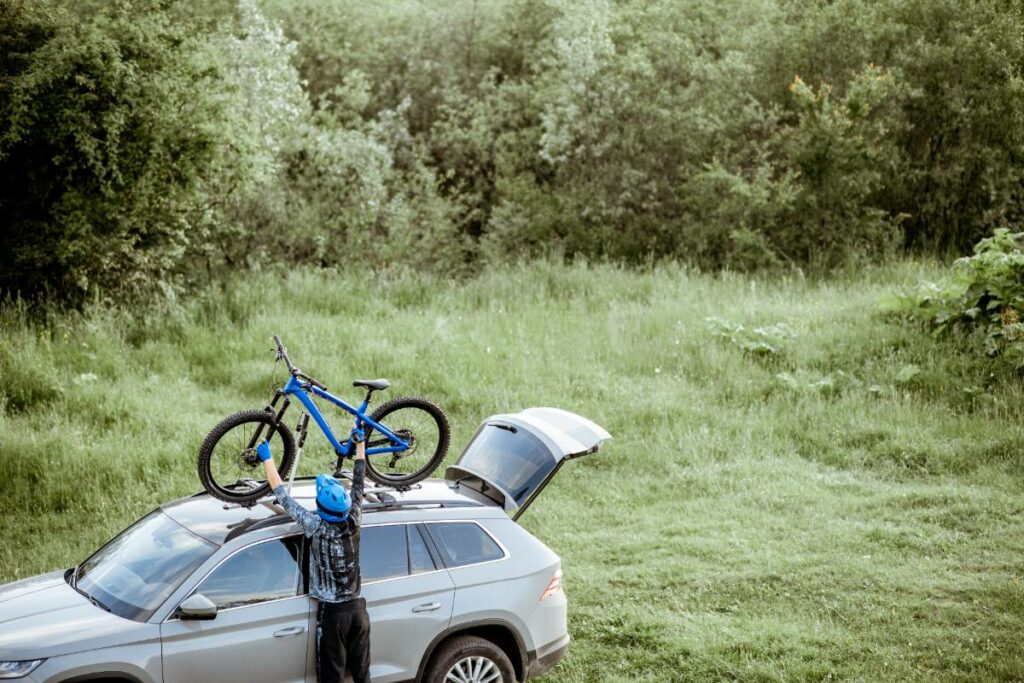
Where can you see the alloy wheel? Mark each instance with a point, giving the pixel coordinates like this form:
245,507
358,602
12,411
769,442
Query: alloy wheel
474,669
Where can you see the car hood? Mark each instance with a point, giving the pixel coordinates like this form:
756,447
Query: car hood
45,617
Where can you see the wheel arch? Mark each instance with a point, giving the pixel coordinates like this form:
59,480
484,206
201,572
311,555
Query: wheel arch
499,632
103,677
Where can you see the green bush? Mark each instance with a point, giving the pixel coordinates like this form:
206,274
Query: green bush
983,294
106,137
758,341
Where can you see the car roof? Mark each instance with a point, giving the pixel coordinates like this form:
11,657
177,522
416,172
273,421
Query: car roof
432,499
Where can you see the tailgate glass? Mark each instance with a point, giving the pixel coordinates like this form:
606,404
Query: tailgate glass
517,462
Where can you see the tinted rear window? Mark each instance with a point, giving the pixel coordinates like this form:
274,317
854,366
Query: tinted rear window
516,462
464,543
419,556
383,552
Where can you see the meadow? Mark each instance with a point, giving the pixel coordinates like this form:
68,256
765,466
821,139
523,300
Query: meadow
798,488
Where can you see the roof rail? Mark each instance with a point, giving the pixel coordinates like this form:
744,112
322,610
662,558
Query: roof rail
398,504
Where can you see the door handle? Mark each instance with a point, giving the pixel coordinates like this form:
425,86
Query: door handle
428,607
290,631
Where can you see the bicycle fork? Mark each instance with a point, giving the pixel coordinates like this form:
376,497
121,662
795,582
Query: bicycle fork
255,440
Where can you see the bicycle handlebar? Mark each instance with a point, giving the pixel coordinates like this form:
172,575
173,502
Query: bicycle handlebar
282,353
302,375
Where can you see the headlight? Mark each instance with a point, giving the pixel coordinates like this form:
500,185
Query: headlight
10,670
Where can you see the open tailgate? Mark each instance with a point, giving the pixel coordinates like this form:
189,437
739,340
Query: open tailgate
512,457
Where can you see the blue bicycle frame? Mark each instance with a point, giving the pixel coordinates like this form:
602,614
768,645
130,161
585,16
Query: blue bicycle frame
302,390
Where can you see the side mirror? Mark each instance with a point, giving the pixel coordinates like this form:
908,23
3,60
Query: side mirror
197,606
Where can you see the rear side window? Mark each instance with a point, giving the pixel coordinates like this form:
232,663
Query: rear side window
383,552
463,543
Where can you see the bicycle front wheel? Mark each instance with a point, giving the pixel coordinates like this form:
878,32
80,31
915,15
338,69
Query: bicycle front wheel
229,468
420,423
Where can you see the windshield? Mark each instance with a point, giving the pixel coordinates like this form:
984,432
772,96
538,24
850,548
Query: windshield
136,571
516,462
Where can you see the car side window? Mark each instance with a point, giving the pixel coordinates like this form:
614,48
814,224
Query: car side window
419,556
383,552
463,543
265,571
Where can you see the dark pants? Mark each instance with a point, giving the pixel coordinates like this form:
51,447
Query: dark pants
343,639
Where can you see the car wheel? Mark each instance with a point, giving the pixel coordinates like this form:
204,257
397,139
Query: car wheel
468,659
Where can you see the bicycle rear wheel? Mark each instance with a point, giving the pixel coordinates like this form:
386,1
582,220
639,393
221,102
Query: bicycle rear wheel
418,422
229,468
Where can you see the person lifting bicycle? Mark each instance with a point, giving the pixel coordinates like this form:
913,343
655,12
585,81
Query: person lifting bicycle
343,626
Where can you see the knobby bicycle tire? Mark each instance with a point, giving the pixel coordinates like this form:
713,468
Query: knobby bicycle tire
444,435
250,495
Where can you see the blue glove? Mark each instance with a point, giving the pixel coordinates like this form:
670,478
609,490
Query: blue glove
263,451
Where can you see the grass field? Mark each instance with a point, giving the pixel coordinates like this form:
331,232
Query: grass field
846,505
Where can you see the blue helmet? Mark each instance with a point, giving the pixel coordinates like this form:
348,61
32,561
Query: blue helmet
332,499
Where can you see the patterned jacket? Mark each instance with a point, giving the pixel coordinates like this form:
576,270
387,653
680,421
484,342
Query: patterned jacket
334,569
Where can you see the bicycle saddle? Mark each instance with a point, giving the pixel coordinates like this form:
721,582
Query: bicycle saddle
373,384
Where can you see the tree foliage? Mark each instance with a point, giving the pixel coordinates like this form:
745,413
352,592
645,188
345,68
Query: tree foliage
148,144
105,140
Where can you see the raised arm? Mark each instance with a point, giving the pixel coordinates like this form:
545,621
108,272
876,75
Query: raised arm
358,474
306,519
273,476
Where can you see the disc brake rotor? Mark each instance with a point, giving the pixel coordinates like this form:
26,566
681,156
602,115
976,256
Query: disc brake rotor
248,460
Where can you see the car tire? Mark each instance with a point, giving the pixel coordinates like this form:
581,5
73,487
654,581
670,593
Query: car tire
466,654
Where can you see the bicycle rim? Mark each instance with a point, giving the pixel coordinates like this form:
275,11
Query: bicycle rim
412,424
231,459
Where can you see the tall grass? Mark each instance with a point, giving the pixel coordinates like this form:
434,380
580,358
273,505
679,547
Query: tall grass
844,506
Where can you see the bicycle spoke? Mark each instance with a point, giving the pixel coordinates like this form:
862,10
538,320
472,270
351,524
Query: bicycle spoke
232,459
413,425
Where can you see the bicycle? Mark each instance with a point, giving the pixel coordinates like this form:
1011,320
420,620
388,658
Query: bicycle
418,428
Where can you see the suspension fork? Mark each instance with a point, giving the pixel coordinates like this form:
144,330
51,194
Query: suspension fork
276,417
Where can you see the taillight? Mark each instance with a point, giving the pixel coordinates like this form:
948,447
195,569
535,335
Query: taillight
554,587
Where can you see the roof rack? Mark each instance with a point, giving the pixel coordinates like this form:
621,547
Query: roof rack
384,500
252,483
249,526
265,499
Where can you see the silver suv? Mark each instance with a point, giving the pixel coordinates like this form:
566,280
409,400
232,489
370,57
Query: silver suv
197,591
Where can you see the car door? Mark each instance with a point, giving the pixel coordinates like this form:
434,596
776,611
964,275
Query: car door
260,633
511,458
409,598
